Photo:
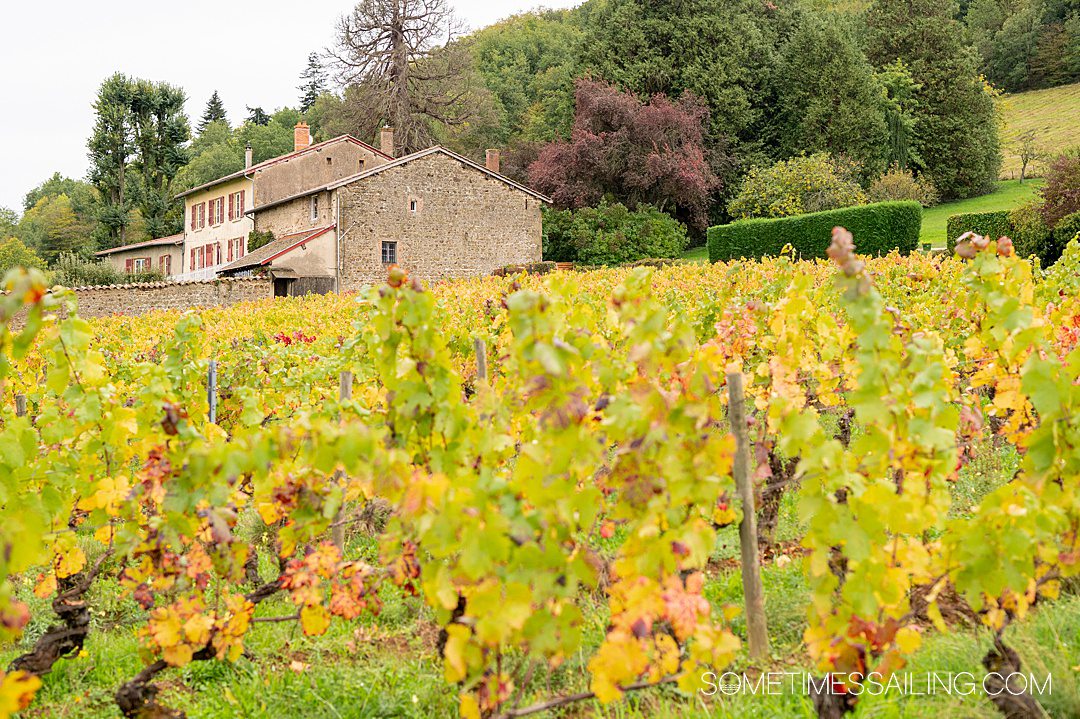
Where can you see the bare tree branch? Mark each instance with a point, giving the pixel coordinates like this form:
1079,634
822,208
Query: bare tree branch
402,64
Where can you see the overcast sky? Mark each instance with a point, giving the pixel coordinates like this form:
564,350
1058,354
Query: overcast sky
53,56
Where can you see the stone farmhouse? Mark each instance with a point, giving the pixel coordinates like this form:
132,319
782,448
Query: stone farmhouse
341,211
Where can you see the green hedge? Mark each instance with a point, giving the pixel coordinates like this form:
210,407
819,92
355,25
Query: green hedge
878,229
1024,225
991,224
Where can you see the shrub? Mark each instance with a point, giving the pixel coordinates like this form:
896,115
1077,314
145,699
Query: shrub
896,185
1061,193
878,229
1028,231
610,234
991,224
812,183
73,271
532,268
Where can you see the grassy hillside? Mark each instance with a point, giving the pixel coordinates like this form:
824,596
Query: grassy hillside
1010,194
1051,113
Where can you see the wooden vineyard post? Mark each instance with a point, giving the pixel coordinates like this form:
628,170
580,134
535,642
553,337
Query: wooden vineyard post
337,532
211,390
481,359
20,405
753,593
345,385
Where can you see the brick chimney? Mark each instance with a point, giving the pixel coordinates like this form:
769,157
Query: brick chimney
301,136
247,156
386,140
492,160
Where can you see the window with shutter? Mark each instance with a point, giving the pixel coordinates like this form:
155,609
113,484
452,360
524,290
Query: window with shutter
218,253
194,216
127,265
232,207
240,199
192,269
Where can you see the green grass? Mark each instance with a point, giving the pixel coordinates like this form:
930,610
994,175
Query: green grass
1010,194
1050,113
697,254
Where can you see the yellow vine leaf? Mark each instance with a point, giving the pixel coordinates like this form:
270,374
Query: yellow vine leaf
314,619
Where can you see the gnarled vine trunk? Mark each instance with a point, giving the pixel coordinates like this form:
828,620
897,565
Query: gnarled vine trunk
67,637
1009,693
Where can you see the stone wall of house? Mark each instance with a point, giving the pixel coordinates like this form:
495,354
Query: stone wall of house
321,166
137,299
296,216
465,222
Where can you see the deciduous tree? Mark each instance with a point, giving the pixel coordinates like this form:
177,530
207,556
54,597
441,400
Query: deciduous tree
137,148
1061,193
216,152
273,139
160,133
632,150
111,146
51,227
529,62
796,186
9,221
13,253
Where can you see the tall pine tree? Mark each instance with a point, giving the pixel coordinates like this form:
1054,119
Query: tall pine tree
313,83
257,116
214,112
956,136
828,96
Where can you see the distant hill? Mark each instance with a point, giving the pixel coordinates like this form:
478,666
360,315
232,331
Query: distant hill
1054,115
